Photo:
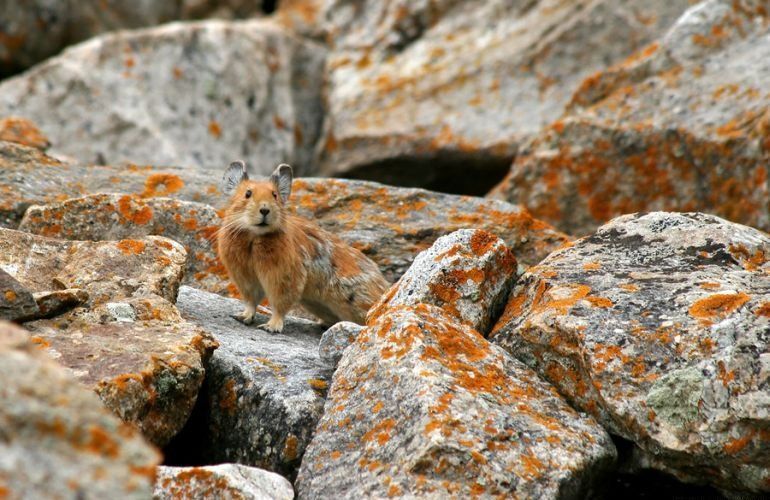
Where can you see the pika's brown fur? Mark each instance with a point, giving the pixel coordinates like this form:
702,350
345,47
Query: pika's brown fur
271,253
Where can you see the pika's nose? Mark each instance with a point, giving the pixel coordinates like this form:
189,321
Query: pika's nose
264,211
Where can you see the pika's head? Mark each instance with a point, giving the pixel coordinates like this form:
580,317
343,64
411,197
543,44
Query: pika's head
257,206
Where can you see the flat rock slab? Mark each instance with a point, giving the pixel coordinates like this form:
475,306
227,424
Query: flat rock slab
127,341
467,273
422,405
58,440
265,391
681,126
659,326
197,94
427,93
225,481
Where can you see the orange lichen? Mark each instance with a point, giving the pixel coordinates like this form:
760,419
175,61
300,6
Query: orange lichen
10,296
214,129
228,397
592,266
140,216
290,448
131,247
318,384
710,286
629,287
101,443
763,310
170,184
380,432
481,242
734,446
717,306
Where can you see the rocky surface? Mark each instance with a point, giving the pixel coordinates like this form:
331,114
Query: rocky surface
682,125
658,325
467,273
421,405
58,440
440,94
191,94
225,482
22,131
335,340
128,342
65,22
16,301
265,391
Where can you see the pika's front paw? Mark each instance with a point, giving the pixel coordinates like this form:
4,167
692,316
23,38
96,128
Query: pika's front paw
273,326
246,317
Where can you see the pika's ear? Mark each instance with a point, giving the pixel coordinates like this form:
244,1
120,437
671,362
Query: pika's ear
235,174
282,177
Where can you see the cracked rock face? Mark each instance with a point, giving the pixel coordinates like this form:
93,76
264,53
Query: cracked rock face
682,125
265,392
423,405
179,94
467,273
224,481
659,326
58,440
126,340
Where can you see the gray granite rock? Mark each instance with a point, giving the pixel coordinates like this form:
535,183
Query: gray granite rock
659,325
223,482
58,440
467,273
336,339
265,391
423,406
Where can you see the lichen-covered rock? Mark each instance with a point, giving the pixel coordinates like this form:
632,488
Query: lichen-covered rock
58,440
127,342
55,302
440,93
467,273
336,339
265,391
22,131
422,405
223,482
119,216
193,94
16,301
683,125
659,325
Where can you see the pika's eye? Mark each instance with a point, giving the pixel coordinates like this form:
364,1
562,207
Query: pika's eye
275,195
248,193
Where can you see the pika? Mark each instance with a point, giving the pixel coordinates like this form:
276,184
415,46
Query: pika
269,252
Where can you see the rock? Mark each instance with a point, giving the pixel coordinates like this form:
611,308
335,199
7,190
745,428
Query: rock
16,301
658,326
335,340
69,21
265,391
422,405
55,302
194,94
58,440
682,125
225,481
467,273
425,93
22,131
119,216
148,370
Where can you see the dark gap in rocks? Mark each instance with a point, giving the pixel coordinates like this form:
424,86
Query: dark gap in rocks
629,483
187,447
453,173
269,6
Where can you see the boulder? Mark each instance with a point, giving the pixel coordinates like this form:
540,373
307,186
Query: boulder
225,481
265,392
682,125
58,440
127,342
467,273
440,94
16,301
196,94
335,340
22,131
424,406
659,325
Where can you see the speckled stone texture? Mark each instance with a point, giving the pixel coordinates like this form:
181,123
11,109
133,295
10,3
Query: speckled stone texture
16,301
223,482
441,93
58,440
195,94
335,340
127,342
119,216
422,405
683,125
467,273
265,391
659,326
